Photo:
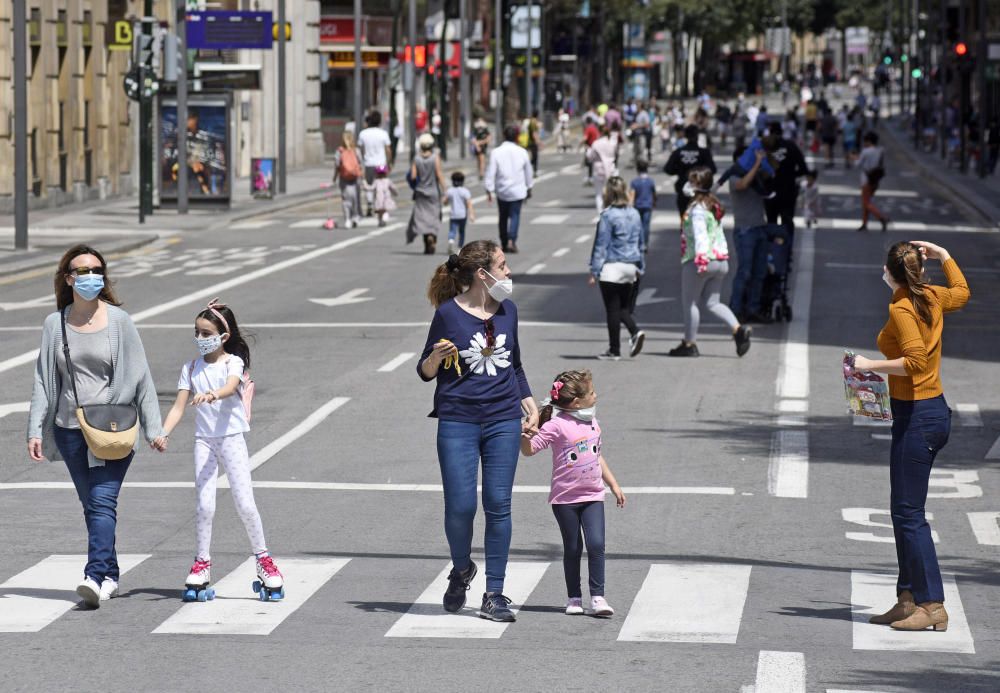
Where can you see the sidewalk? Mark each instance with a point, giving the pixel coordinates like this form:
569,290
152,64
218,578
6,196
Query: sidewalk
113,225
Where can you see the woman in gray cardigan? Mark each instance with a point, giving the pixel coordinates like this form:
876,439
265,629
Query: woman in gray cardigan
111,368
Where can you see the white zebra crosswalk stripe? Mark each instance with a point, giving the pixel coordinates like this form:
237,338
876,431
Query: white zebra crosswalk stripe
36,597
873,593
250,225
236,610
487,219
969,415
688,602
307,224
427,619
550,219
780,672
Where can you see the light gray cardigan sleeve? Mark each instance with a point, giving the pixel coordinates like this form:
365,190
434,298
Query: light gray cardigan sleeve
145,390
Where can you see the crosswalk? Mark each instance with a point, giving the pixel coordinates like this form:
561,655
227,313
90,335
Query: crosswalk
677,602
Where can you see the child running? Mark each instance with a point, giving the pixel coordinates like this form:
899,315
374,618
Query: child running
811,207
385,191
220,422
579,472
460,202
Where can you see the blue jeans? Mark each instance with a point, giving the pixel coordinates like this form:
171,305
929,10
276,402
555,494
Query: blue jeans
589,517
751,268
645,215
919,430
460,447
97,489
456,231
510,220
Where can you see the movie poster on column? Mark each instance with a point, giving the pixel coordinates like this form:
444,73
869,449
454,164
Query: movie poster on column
207,150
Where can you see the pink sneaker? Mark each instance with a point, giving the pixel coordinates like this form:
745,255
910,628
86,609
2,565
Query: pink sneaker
599,607
574,606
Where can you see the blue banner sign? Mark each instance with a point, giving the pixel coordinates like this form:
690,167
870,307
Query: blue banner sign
229,30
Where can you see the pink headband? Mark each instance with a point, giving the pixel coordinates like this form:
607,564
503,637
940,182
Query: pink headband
212,306
556,387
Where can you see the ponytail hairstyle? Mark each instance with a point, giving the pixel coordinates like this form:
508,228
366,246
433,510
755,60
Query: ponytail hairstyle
700,179
906,267
458,273
64,292
567,386
221,315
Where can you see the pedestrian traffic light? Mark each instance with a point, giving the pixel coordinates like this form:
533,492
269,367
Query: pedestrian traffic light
903,58
961,49
917,73
887,59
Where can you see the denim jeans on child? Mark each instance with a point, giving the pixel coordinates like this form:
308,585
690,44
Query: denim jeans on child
920,429
460,447
97,489
751,269
645,215
456,231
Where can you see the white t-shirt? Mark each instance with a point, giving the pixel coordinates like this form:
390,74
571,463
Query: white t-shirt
373,142
456,198
619,272
222,417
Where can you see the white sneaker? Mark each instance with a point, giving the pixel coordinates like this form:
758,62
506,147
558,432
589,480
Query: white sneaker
452,246
599,607
635,343
574,606
109,589
90,592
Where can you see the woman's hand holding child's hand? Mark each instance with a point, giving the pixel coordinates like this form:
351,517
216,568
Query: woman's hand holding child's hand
203,398
160,443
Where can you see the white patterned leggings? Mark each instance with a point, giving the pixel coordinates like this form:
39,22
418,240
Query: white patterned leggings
232,452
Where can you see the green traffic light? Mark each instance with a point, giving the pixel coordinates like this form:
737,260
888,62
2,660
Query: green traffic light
903,58
887,60
917,73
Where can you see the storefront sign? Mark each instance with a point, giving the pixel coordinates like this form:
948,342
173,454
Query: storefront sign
339,60
375,31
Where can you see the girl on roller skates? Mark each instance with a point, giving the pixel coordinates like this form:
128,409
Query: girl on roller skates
215,386
579,472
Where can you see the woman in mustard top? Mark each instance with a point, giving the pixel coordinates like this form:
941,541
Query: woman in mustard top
911,343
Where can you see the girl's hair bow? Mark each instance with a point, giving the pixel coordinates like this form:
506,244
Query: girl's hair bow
556,387
213,306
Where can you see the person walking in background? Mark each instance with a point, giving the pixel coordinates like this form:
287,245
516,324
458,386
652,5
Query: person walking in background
425,172
509,177
828,128
385,195
811,207
616,262
346,175
685,159
591,133
481,139
602,155
90,354
579,473
871,166
376,150
642,195
791,165
704,260
460,206
921,421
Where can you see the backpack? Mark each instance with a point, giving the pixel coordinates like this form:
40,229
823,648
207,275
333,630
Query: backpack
349,169
524,136
246,389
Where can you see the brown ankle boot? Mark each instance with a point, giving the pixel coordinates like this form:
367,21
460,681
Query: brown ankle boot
903,609
927,615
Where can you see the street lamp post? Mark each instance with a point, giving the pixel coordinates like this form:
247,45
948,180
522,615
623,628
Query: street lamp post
20,128
497,72
357,68
282,164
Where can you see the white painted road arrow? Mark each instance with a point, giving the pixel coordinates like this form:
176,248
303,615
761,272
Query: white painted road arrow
646,296
352,296
33,303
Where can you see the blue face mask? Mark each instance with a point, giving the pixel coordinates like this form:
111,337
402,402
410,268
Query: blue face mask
89,286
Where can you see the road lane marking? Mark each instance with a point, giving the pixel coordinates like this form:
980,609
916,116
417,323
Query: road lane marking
427,619
584,238
487,219
36,597
396,362
250,225
688,602
873,593
221,287
345,299
550,219
536,268
551,203
14,408
296,432
994,452
307,224
780,672
236,610
560,252
865,517
788,471
986,527
968,415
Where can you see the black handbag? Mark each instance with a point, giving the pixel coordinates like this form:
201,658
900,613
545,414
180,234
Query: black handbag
109,429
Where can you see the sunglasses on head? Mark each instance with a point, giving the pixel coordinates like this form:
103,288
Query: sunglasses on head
80,271
490,332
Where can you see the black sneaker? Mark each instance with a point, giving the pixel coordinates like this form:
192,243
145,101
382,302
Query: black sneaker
458,585
635,343
608,356
496,607
683,349
742,339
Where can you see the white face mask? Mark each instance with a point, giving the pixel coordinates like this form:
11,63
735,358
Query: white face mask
585,415
206,345
501,290
888,280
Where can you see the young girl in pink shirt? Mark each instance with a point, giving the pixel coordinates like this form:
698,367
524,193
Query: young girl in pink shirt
579,472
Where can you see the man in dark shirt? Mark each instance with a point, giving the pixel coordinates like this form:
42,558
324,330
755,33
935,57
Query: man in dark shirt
790,165
685,158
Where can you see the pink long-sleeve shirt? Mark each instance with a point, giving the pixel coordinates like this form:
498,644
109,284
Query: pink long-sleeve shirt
576,466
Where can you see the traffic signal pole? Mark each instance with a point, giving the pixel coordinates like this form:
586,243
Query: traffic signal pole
146,118
182,109
20,127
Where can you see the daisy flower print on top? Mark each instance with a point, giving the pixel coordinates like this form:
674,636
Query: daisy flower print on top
486,352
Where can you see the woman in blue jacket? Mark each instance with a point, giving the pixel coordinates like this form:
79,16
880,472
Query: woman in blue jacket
616,262
472,352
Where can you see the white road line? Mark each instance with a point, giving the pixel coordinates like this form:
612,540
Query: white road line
870,422
788,471
14,408
487,219
536,268
551,203
659,220
307,224
793,378
873,593
986,527
236,609
780,672
570,168
688,602
560,252
168,272
968,415
881,436
595,219
221,287
550,219
396,362
994,452
426,618
248,225
296,432
584,238
36,597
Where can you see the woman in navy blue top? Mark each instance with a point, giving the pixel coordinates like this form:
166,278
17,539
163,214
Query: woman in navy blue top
472,352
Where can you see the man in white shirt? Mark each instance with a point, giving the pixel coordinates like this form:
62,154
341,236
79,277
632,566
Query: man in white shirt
508,175
376,150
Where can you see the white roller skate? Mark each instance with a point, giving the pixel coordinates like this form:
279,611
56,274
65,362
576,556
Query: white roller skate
196,587
269,585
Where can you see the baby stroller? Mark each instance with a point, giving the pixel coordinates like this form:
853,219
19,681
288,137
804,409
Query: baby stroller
774,296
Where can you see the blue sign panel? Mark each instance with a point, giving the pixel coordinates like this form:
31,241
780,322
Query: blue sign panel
228,30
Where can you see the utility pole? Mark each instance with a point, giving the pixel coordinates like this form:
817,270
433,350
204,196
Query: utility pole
20,127
981,79
497,71
182,109
945,53
411,85
442,83
358,110
963,104
146,117
282,163
529,73
463,84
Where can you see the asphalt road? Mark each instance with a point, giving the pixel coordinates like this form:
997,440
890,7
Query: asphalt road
749,554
